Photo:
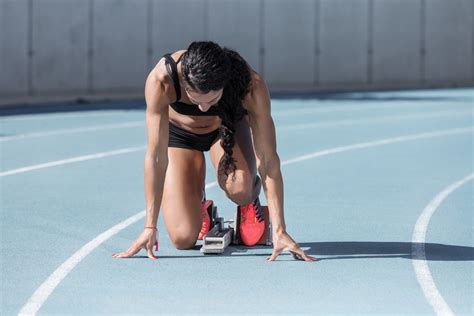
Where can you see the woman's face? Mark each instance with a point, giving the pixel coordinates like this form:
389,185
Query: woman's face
206,100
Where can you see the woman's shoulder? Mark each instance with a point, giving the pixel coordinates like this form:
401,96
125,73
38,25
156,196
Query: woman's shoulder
159,80
177,54
256,80
257,84
159,72
258,92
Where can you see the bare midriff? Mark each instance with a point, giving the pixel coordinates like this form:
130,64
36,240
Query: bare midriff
194,124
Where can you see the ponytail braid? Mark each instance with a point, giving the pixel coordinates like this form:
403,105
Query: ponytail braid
231,110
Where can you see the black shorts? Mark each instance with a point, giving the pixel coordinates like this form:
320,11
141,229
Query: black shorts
182,138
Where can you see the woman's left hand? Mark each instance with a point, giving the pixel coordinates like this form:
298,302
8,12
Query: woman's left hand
283,241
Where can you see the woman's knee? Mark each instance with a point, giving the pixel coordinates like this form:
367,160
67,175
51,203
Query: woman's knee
242,188
183,241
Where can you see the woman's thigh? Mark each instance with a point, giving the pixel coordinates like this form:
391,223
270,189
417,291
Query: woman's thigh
245,185
181,203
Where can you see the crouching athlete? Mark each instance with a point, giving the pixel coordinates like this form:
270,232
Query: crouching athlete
207,98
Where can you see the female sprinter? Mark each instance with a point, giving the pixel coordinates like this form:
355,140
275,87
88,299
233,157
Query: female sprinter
200,99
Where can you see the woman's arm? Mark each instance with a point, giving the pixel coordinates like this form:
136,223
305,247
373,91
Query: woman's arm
155,165
156,157
264,139
257,104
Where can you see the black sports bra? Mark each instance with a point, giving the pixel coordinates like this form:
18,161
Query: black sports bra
181,107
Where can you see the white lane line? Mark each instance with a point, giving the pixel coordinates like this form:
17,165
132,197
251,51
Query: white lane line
379,119
380,142
422,270
297,159
350,108
284,127
71,160
42,293
74,130
35,302
43,116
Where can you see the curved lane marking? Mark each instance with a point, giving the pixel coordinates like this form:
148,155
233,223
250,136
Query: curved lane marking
71,160
134,124
317,154
380,119
73,130
420,264
38,298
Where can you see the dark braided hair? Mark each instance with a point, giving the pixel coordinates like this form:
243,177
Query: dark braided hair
205,67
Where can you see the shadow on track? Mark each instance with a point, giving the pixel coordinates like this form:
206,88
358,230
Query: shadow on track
346,250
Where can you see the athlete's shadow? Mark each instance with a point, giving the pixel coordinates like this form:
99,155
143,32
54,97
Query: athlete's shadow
405,250
349,250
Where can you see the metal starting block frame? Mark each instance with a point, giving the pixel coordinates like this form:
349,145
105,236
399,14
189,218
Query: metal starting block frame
221,236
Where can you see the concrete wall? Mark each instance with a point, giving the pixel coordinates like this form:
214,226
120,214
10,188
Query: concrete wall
449,41
344,42
59,47
74,48
14,47
289,43
392,61
119,45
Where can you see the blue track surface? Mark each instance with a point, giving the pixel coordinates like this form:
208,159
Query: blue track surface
355,208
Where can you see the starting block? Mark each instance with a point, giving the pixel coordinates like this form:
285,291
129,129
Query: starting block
221,235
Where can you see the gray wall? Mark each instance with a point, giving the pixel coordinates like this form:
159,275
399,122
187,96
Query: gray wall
75,48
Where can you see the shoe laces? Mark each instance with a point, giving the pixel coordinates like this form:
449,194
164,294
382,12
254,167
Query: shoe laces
205,216
252,212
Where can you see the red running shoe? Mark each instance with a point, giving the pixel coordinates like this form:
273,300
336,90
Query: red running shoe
206,221
252,223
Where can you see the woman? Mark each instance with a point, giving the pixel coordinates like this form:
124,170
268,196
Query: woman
200,99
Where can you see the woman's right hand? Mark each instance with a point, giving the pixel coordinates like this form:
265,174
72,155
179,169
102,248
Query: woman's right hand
147,239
